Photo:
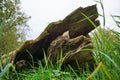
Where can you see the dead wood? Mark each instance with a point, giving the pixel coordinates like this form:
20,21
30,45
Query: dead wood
78,27
76,52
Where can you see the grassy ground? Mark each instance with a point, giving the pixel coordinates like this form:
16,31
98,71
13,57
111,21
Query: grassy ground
106,54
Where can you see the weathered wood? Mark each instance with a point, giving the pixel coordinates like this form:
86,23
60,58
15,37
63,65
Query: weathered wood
76,52
75,23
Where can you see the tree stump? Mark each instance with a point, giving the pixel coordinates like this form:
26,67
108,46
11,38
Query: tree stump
75,43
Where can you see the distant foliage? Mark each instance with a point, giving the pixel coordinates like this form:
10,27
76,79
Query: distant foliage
13,25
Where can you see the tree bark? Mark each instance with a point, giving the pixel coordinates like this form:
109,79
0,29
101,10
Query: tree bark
77,25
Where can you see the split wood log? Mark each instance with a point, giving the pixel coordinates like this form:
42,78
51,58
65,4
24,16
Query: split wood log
76,23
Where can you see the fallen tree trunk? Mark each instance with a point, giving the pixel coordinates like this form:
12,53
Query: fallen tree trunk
76,23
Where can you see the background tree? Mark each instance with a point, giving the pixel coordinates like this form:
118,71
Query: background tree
13,25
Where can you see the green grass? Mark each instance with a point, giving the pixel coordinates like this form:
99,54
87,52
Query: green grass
106,54
107,50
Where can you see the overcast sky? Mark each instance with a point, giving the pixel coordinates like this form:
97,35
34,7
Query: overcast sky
45,11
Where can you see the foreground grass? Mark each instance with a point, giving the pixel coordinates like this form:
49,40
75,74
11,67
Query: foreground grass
107,51
44,73
106,54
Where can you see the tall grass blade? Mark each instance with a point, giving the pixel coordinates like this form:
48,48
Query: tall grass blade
89,20
116,21
103,14
117,67
6,69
